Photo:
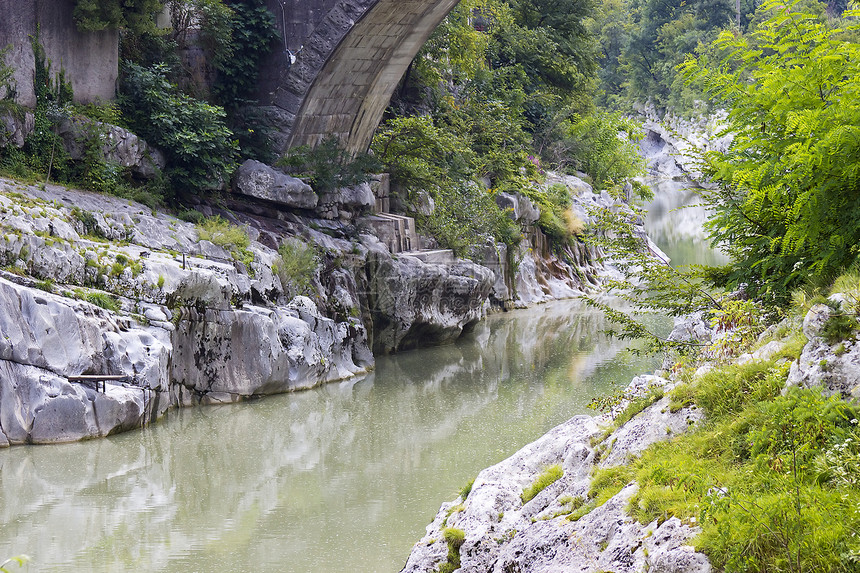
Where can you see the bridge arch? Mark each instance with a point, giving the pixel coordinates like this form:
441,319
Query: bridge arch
349,57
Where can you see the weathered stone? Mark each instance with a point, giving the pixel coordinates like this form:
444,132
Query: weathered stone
346,200
504,534
413,303
260,181
14,128
835,368
230,355
89,60
519,207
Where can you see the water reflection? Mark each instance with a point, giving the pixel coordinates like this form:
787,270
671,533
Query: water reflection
341,478
676,222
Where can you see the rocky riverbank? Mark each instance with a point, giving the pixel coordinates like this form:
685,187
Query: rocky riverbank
92,285
571,523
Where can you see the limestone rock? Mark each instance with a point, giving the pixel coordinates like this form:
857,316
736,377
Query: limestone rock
519,207
346,202
414,303
504,534
118,145
15,128
258,180
228,355
47,338
834,368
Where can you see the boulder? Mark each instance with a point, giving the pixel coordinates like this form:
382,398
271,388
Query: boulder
118,145
519,207
258,180
346,202
835,368
414,304
226,356
46,339
15,127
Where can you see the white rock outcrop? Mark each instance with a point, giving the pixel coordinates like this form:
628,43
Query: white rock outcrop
504,534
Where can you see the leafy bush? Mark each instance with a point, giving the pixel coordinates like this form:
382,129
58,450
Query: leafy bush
252,31
296,267
94,15
546,478
200,149
329,166
604,146
223,233
465,218
787,197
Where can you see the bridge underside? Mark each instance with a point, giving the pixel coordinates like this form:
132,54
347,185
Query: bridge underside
343,78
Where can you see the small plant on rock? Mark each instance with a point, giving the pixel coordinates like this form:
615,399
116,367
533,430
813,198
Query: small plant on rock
547,477
296,267
223,233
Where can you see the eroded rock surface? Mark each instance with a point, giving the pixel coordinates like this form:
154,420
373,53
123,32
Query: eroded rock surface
833,367
504,534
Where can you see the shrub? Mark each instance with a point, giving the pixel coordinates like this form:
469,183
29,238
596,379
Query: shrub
546,478
223,233
200,149
328,166
296,267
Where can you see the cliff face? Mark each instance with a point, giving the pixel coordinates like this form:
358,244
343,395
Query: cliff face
185,321
92,285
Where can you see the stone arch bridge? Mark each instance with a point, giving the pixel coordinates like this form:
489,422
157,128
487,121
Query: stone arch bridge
337,64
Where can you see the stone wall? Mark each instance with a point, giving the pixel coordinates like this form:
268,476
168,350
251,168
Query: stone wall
89,59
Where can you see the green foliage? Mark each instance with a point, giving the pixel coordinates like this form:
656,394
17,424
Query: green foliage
296,267
252,29
648,283
604,146
102,300
636,405
136,15
223,233
455,538
788,193
840,327
490,94
328,166
642,41
420,154
467,489
547,477
725,391
761,477
737,325
200,149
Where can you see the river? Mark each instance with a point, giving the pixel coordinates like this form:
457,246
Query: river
342,478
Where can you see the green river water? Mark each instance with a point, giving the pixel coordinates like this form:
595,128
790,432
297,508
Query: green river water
342,478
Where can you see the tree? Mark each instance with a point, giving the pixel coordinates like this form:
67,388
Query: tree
787,203
136,15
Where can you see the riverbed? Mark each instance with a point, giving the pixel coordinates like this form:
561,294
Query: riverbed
341,478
